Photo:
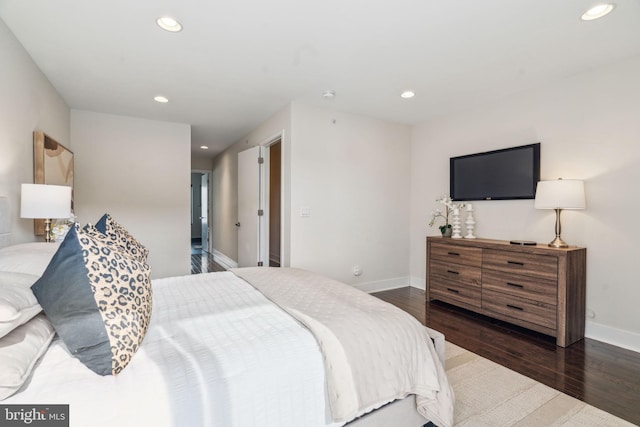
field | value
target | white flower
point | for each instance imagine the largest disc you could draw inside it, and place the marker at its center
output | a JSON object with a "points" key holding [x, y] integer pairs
{"points": [[448, 206]]}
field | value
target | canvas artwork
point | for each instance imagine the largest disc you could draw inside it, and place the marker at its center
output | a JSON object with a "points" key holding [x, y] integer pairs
{"points": [[53, 165]]}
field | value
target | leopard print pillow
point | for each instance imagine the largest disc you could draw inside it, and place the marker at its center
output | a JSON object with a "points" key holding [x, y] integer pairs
{"points": [[98, 299], [120, 236]]}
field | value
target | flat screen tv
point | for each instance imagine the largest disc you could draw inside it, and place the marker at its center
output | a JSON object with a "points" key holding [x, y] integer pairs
{"points": [[507, 174]]}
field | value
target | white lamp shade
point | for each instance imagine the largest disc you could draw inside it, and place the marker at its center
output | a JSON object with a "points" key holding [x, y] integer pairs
{"points": [[45, 201], [560, 194]]}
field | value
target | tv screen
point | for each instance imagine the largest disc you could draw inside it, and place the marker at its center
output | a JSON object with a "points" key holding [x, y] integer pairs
{"points": [[507, 174]]}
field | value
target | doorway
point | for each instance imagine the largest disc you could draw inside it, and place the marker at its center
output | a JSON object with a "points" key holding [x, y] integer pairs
{"points": [[199, 212], [260, 205], [275, 203]]}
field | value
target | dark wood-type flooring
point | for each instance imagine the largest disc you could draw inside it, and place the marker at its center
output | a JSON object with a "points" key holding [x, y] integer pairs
{"points": [[202, 262], [599, 374]]}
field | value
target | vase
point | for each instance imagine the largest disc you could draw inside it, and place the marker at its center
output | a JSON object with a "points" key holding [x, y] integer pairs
{"points": [[446, 231]]}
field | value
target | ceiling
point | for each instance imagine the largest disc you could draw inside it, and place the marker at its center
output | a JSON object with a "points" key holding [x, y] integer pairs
{"points": [[237, 62]]}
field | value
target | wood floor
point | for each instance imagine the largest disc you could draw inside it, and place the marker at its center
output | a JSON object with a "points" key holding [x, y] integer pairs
{"points": [[202, 262], [599, 374]]}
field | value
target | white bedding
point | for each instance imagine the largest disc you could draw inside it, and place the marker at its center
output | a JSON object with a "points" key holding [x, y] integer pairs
{"points": [[373, 352], [217, 353]]}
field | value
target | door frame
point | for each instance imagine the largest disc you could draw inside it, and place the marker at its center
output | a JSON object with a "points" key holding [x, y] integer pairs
{"points": [[209, 205], [264, 193]]}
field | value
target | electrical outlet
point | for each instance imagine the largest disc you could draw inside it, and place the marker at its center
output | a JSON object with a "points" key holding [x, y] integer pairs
{"points": [[357, 270]]}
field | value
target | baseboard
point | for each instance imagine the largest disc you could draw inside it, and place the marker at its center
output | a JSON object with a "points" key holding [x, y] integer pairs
{"points": [[418, 283], [224, 260], [383, 285], [614, 336]]}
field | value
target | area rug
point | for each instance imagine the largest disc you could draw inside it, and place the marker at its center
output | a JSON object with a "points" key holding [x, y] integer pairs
{"points": [[488, 394]]}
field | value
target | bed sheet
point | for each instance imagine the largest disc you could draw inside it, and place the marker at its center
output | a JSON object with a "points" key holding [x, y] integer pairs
{"points": [[217, 353]]}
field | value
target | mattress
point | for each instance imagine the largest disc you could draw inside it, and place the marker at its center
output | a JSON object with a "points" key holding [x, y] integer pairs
{"points": [[217, 353]]}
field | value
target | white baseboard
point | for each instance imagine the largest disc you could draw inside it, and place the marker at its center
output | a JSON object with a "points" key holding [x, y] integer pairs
{"points": [[383, 285], [418, 283], [614, 336], [224, 260]]}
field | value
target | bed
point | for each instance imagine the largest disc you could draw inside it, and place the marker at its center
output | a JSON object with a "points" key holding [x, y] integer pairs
{"points": [[259, 346]]}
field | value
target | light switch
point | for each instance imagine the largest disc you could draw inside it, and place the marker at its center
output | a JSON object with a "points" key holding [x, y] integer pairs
{"points": [[305, 212]]}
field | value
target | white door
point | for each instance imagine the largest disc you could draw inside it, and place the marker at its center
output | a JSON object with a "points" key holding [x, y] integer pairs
{"points": [[252, 212], [204, 214]]}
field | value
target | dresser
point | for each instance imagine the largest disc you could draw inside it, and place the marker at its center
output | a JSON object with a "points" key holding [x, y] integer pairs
{"points": [[536, 287]]}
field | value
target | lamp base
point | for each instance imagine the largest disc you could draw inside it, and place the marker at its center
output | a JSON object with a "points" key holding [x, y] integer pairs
{"points": [[558, 243], [47, 230]]}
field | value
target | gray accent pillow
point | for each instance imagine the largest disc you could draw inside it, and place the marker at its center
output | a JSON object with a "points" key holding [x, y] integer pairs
{"points": [[98, 300]]}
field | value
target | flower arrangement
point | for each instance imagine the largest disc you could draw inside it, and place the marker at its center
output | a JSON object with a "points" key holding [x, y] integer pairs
{"points": [[59, 228], [449, 206]]}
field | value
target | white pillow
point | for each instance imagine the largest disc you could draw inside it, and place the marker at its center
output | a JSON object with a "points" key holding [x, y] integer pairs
{"points": [[20, 351], [28, 258], [18, 304]]}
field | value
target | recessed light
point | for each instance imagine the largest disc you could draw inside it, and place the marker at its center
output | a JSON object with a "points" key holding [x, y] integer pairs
{"points": [[161, 99], [408, 94], [204, 147], [169, 24], [598, 11], [329, 94]]}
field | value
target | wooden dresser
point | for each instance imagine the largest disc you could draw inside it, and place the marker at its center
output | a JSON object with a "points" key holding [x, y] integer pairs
{"points": [[537, 287]]}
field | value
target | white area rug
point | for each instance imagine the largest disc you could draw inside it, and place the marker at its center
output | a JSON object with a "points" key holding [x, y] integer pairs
{"points": [[488, 394]]}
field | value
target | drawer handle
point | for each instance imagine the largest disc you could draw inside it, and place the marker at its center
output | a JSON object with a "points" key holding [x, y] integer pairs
{"points": [[453, 253], [515, 263], [455, 291], [515, 285], [515, 307], [452, 272]]}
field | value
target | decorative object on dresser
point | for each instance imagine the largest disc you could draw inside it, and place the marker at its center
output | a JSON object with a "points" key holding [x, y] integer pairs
{"points": [[449, 208], [45, 202], [537, 287], [560, 194], [470, 222], [455, 221]]}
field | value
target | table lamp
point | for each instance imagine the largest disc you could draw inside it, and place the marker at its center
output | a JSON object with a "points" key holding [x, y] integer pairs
{"points": [[560, 194], [45, 202]]}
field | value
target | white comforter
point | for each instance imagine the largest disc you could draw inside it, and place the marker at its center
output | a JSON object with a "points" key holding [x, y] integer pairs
{"points": [[217, 353], [383, 353]]}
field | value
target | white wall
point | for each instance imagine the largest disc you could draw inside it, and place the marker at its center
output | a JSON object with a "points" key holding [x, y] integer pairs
{"points": [[201, 163], [353, 173], [224, 182], [589, 127], [139, 171], [28, 102], [354, 176]]}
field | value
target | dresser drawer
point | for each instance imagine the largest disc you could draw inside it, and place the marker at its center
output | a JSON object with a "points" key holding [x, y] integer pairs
{"points": [[458, 254], [543, 266], [455, 293], [456, 272], [519, 308], [542, 290]]}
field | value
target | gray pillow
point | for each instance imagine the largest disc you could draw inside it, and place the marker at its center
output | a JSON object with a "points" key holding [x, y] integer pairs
{"points": [[98, 300]]}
